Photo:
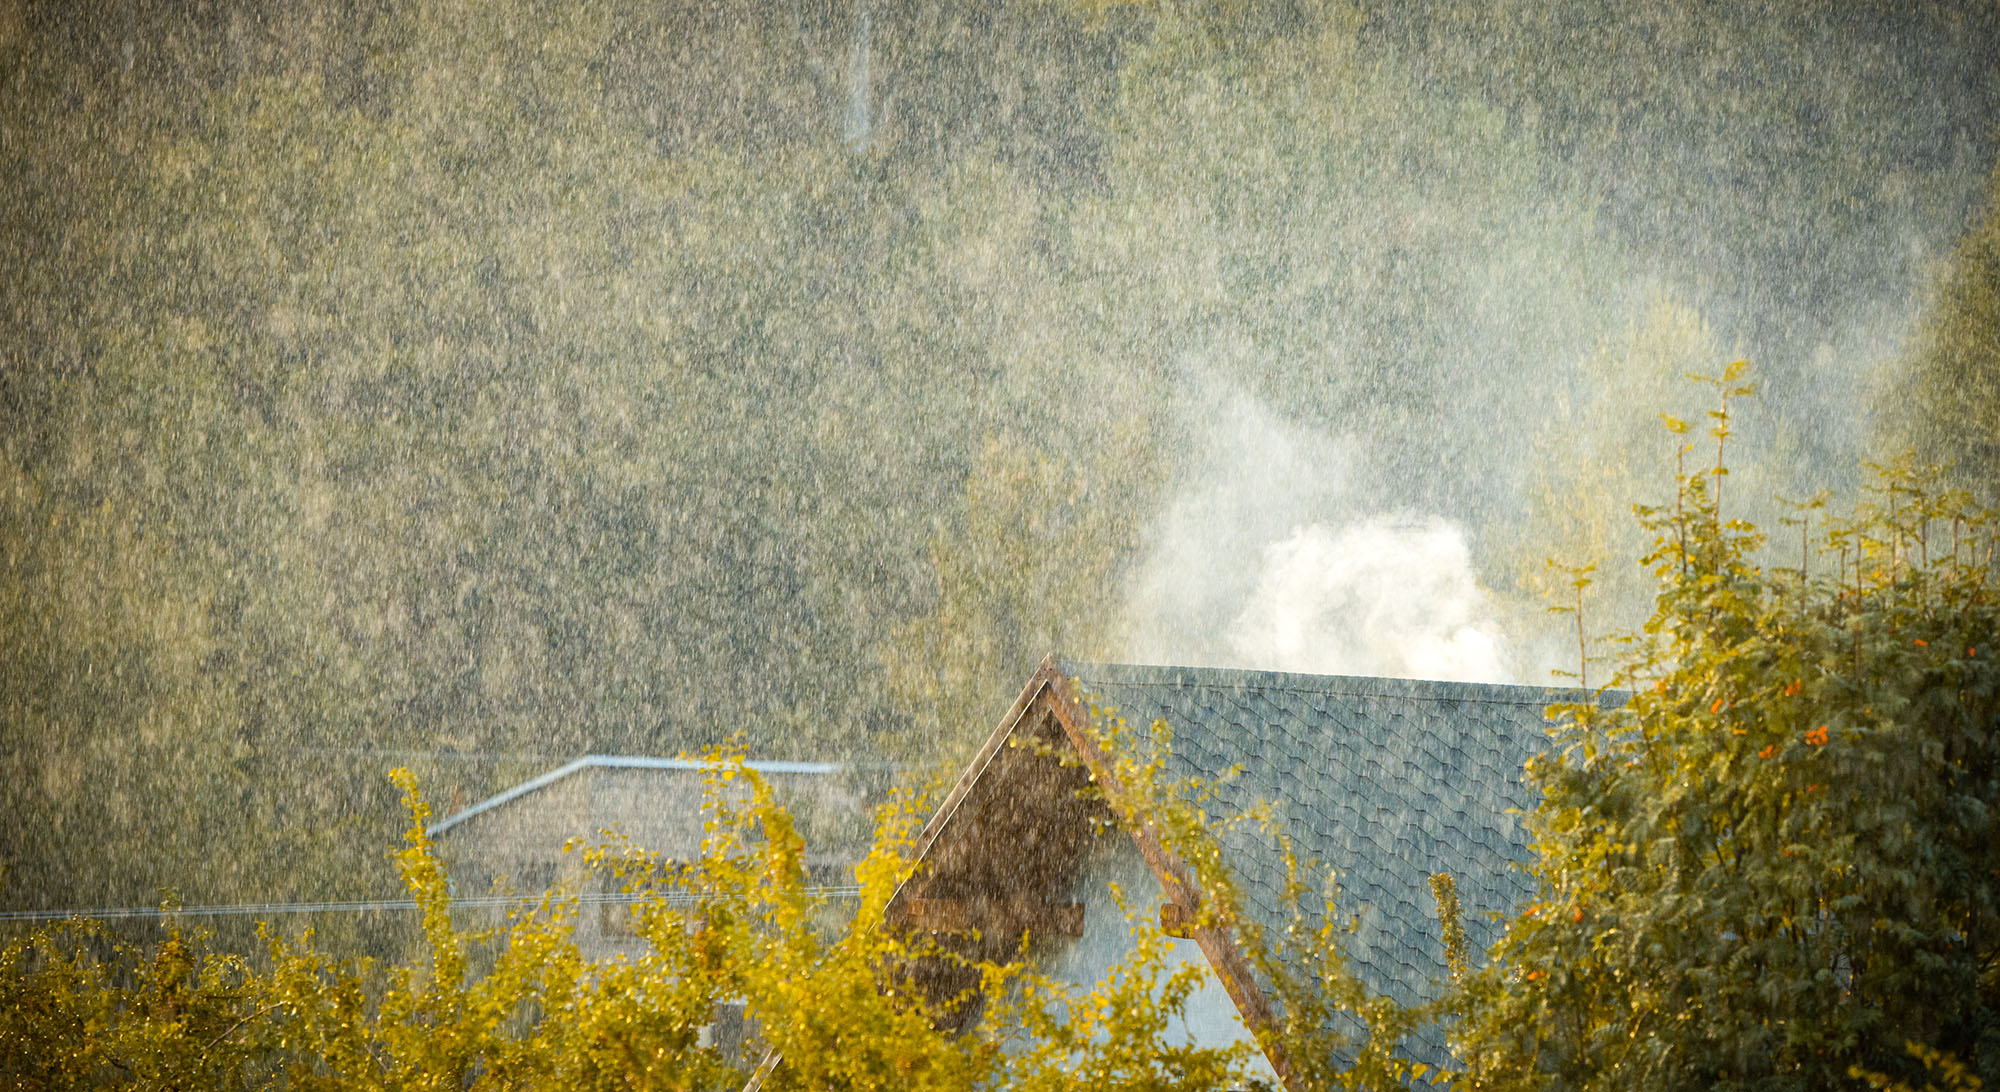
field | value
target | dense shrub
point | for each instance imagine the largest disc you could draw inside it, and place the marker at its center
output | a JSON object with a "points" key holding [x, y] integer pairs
{"points": [[1777, 865], [519, 1007]]}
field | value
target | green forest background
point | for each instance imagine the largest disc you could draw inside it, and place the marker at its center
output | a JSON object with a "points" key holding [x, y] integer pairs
{"points": [[467, 386]]}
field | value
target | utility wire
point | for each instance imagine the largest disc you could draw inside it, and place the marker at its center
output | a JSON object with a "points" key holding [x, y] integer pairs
{"points": [[394, 755], [477, 902]]}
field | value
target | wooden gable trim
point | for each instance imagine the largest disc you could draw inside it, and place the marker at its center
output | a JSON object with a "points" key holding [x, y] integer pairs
{"points": [[1177, 882]]}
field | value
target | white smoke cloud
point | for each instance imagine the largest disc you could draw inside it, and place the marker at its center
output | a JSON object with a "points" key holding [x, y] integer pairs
{"points": [[1383, 597], [1246, 478], [1264, 559]]}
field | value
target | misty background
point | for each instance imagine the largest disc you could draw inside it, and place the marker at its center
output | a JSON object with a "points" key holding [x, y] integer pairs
{"points": [[473, 385]]}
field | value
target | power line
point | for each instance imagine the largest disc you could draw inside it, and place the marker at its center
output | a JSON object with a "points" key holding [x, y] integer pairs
{"points": [[477, 902], [404, 755]]}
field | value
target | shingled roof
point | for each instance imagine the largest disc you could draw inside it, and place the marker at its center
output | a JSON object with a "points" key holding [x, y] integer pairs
{"points": [[1385, 780]]}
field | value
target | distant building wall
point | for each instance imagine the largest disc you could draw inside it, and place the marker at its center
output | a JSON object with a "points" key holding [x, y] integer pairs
{"points": [[516, 847]]}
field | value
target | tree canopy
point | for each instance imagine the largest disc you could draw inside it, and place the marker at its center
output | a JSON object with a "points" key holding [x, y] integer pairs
{"points": [[1950, 407]]}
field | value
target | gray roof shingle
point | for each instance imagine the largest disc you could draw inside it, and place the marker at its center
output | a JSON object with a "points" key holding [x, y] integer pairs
{"points": [[1386, 781]]}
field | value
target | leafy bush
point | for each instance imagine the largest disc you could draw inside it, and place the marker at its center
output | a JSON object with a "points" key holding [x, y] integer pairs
{"points": [[519, 1007], [1778, 862]]}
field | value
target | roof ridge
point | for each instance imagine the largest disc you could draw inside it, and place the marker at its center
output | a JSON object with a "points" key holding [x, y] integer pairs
{"points": [[1175, 676]]}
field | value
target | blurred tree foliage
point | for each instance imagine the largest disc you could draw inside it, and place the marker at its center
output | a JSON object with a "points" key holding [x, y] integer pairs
{"points": [[496, 381], [411, 398], [1025, 567], [1776, 864], [1585, 453], [1739, 144], [1286, 214], [1601, 451], [1948, 401]]}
